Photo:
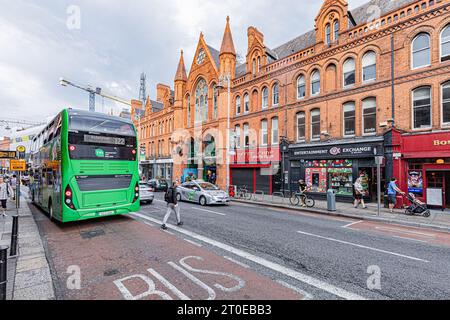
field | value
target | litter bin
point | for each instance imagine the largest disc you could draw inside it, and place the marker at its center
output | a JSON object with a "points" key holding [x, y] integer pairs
{"points": [[331, 200]]}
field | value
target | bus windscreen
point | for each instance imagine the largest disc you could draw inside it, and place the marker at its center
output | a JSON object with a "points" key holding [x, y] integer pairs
{"points": [[100, 125], [96, 138]]}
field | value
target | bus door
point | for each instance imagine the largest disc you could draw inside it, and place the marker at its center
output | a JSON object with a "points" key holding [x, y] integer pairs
{"points": [[39, 187]]}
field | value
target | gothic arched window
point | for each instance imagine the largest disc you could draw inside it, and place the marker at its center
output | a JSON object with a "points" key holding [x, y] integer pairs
{"points": [[201, 102]]}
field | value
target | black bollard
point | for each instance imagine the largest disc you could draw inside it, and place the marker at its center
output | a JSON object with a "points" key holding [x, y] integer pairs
{"points": [[3, 271], [14, 236]]}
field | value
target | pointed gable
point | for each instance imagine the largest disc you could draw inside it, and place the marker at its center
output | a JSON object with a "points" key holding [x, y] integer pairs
{"points": [[181, 70], [227, 42], [205, 54]]}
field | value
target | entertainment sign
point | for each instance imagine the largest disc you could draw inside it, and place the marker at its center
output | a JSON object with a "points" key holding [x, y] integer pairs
{"points": [[338, 151]]}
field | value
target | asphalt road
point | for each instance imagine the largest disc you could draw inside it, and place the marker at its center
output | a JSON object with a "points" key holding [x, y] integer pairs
{"points": [[323, 257]]}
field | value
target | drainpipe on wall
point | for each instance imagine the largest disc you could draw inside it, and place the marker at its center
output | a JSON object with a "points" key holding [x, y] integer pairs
{"points": [[393, 79]]}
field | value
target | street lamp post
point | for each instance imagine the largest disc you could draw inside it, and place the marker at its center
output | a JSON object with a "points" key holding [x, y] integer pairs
{"points": [[226, 78]]}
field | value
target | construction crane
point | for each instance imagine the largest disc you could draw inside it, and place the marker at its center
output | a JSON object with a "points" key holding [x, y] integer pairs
{"points": [[92, 92]]}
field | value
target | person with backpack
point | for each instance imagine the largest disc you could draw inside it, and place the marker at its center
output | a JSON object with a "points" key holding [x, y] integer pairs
{"points": [[172, 205], [5, 193]]}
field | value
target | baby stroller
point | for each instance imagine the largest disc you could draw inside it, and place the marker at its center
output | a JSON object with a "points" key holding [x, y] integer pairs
{"points": [[417, 207]]}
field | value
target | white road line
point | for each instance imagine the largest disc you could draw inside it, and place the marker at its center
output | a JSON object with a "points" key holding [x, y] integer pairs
{"points": [[352, 224], [193, 242], [306, 295], [237, 262], [430, 235], [266, 263], [168, 285], [149, 224], [161, 201], [171, 233], [218, 213], [404, 238], [363, 247]]}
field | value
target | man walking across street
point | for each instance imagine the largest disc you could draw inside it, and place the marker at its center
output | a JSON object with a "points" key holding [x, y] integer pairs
{"points": [[172, 205], [5, 192]]}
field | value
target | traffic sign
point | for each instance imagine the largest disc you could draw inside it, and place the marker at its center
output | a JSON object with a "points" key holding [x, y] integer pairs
{"points": [[18, 165], [8, 154], [21, 149]]}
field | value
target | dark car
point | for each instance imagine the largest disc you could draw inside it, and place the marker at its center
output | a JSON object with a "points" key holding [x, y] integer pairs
{"points": [[159, 184]]}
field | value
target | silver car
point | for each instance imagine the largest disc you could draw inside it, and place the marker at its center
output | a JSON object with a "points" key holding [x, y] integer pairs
{"points": [[202, 192], [146, 193]]}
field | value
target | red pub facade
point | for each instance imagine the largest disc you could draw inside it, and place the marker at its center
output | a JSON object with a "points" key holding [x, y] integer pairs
{"points": [[421, 163]]}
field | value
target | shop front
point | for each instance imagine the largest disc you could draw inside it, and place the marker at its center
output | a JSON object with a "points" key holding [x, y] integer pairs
{"points": [[422, 166], [336, 166], [156, 169], [258, 169]]}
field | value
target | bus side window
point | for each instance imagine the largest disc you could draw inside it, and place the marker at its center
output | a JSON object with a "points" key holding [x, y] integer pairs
{"points": [[58, 123], [50, 177]]}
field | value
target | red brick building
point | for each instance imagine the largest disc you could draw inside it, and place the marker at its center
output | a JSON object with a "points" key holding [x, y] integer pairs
{"points": [[5, 145], [331, 96]]}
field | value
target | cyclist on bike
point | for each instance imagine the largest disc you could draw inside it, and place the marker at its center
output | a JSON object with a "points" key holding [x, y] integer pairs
{"points": [[302, 188]]}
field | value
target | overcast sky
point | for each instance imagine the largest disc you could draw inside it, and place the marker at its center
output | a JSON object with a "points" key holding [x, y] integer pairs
{"points": [[117, 40]]}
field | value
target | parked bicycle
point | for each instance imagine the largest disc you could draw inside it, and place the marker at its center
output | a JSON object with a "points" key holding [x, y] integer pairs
{"points": [[243, 193], [297, 198]]}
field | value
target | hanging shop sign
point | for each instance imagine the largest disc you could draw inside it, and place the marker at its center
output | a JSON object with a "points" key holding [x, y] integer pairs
{"points": [[8, 154], [339, 151]]}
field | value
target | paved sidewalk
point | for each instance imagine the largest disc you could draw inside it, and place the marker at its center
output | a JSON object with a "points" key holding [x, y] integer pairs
{"points": [[29, 275], [438, 220]]}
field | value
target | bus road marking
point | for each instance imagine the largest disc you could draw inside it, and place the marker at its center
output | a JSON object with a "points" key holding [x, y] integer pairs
{"points": [[211, 292], [363, 247], [342, 293], [168, 285]]}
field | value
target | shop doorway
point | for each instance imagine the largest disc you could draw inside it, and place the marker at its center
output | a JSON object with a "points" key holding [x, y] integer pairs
{"points": [[440, 180], [447, 189], [370, 182]]}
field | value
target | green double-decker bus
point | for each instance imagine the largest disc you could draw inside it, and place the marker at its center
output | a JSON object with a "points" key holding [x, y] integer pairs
{"points": [[85, 166]]}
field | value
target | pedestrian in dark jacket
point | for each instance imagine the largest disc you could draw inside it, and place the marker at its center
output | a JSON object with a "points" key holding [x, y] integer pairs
{"points": [[172, 205]]}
